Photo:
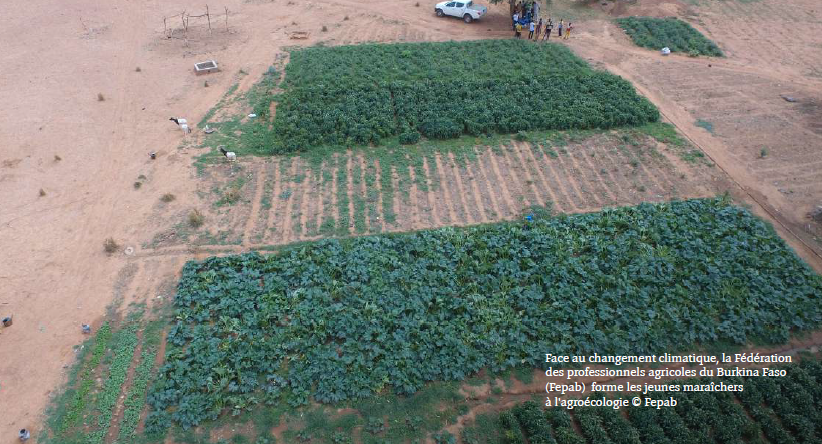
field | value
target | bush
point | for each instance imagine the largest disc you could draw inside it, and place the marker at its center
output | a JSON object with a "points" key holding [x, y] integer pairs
{"points": [[409, 137], [522, 136], [168, 197], [195, 218], [110, 245]]}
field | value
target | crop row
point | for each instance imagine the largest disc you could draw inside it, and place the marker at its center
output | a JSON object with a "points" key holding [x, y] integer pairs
{"points": [[347, 318], [441, 109], [451, 61], [783, 410], [678, 36], [124, 342], [136, 396]]}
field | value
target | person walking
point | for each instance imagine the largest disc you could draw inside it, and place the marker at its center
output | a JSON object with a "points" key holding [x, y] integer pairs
{"points": [[518, 34], [539, 29], [560, 28], [549, 28], [531, 27], [514, 21], [568, 30]]}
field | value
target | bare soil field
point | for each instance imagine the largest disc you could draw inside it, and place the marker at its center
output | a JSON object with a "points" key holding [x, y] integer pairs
{"points": [[81, 119], [286, 199]]}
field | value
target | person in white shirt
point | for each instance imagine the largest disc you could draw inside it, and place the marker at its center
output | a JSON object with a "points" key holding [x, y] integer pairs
{"points": [[514, 21], [531, 30]]}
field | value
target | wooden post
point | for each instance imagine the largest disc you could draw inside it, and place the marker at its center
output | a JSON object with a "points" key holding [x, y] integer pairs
{"points": [[208, 17]]}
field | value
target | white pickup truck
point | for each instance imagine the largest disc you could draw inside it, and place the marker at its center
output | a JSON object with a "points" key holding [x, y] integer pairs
{"points": [[462, 8]]}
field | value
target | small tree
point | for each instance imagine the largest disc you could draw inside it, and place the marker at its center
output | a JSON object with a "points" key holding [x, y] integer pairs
{"points": [[512, 4]]}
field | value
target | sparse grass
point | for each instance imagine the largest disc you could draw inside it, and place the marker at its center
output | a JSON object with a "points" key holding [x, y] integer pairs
{"points": [[42, 192], [101, 97], [662, 132], [168, 197], [286, 194], [704, 124], [195, 218], [110, 245], [692, 155], [230, 196]]}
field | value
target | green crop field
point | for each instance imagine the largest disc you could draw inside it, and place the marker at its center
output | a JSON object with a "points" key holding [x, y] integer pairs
{"points": [[678, 36], [785, 410], [360, 95], [347, 319]]}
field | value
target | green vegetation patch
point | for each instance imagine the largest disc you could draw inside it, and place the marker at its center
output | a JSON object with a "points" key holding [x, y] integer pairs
{"points": [[785, 409], [346, 319], [678, 36], [361, 95]]}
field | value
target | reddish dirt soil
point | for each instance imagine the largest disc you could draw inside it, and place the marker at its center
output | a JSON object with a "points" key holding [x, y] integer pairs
{"points": [[86, 154]]}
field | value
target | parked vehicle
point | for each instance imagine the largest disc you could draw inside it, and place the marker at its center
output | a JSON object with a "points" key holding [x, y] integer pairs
{"points": [[467, 10]]}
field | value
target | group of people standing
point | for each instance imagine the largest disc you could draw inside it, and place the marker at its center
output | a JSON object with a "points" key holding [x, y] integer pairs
{"points": [[535, 29]]}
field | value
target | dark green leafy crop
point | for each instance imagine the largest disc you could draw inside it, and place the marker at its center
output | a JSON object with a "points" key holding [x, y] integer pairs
{"points": [[347, 318], [678, 36], [360, 95]]}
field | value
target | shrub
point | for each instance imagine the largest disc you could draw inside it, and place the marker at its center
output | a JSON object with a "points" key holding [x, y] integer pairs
{"points": [[100, 97], [325, 28], [168, 197], [110, 245], [522, 136], [137, 185], [195, 218], [42, 192]]}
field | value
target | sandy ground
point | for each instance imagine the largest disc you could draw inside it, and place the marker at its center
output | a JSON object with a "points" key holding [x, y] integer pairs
{"points": [[58, 56]]}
